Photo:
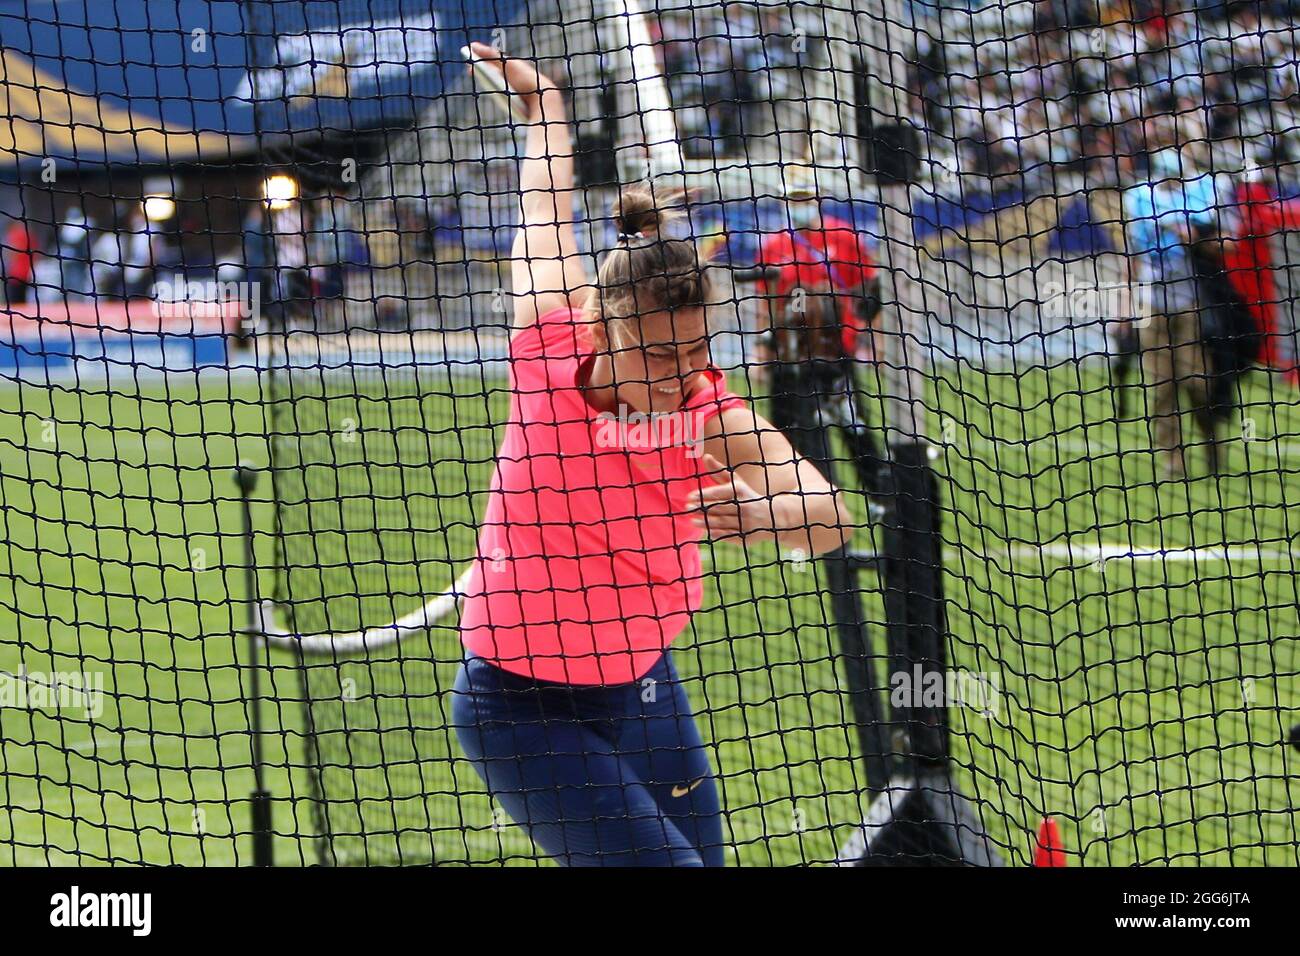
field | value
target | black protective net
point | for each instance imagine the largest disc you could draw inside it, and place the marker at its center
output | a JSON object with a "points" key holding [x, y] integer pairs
{"points": [[1015, 278]]}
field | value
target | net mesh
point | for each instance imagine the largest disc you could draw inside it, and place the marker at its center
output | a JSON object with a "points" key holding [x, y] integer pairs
{"points": [[1066, 426]]}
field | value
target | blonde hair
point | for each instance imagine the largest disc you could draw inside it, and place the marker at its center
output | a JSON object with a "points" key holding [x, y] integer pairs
{"points": [[648, 272]]}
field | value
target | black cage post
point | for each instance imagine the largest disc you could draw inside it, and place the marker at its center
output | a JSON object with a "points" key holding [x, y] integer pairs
{"points": [[921, 818], [259, 43], [812, 439], [260, 799]]}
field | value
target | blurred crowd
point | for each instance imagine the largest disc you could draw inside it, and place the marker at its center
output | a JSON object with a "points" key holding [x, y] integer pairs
{"points": [[80, 260], [1072, 94], [723, 65], [1096, 88], [300, 252]]}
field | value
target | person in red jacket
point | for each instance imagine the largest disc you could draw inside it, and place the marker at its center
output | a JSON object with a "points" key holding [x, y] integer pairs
{"points": [[1248, 259], [817, 301], [816, 250], [17, 257]]}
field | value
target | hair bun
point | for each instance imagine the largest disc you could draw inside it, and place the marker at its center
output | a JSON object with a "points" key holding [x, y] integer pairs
{"points": [[641, 213], [648, 271]]}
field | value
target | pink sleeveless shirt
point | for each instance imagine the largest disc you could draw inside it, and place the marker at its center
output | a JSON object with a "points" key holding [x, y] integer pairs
{"points": [[588, 564]]}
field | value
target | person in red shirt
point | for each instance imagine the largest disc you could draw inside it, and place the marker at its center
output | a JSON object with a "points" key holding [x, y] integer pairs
{"points": [[17, 259], [818, 249], [1248, 260], [818, 297]]}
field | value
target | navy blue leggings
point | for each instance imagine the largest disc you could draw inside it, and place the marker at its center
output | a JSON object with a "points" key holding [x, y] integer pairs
{"points": [[611, 775]]}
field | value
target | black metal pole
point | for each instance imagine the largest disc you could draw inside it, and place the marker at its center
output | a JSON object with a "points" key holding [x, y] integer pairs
{"points": [[917, 626], [798, 396], [260, 799], [859, 673]]}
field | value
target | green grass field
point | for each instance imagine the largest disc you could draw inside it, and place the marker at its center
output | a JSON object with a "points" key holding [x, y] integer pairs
{"points": [[1141, 633]]}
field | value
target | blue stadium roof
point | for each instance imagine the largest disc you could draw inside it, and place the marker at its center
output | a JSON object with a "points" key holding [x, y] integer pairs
{"points": [[136, 81]]}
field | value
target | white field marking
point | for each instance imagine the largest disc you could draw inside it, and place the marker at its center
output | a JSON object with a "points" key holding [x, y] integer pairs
{"points": [[1093, 556], [1076, 555], [1085, 555], [1082, 554], [1088, 446]]}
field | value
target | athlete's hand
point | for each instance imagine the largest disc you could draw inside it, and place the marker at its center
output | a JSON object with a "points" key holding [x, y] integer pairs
{"points": [[523, 78], [731, 508]]}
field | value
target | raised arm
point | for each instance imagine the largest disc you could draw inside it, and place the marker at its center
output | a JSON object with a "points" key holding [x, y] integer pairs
{"points": [[546, 268]]}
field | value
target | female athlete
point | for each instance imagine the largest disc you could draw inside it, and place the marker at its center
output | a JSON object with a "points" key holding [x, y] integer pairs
{"points": [[623, 448]]}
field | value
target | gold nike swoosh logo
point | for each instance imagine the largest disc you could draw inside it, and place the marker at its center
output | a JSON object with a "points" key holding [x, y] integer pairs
{"points": [[680, 791]]}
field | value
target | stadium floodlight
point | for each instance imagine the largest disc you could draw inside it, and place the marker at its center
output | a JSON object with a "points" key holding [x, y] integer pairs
{"points": [[158, 202], [158, 208], [279, 190]]}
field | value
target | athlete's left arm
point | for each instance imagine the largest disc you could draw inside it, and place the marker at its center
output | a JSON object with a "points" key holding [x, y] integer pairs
{"points": [[765, 490]]}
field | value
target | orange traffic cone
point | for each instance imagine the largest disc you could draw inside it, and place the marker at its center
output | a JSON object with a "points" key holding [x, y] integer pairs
{"points": [[1049, 851]]}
